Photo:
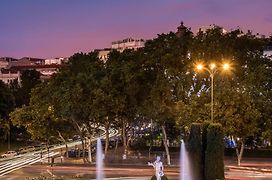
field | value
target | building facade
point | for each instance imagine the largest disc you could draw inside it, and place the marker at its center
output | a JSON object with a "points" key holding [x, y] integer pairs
{"points": [[11, 69], [10, 76], [268, 52], [121, 45], [60, 60], [128, 43], [103, 54]]}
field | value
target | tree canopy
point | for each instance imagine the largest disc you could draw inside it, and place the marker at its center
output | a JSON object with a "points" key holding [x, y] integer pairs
{"points": [[158, 83]]}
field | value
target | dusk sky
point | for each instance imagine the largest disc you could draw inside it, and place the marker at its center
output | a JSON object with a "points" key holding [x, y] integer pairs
{"points": [[56, 28]]}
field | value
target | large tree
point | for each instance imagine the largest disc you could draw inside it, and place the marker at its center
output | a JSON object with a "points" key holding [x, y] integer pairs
{"points": [[167, 62], [241, 95]]}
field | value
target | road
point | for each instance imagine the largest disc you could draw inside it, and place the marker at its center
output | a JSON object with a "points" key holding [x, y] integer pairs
{"points": [[8, 165]]}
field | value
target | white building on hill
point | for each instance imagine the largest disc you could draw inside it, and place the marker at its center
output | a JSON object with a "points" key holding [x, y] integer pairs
{"points": [[128, 43], [268, 52]]}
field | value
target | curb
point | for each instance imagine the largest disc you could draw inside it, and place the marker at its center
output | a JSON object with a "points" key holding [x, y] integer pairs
{"points": [[261, 170]]}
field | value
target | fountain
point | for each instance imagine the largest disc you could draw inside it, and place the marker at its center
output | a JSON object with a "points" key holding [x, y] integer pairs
{"points": [[184, 171], [99, 160]]}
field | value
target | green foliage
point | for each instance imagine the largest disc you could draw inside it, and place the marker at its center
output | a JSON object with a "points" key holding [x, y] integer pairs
{"points": [[242, 96], [214, 155], [205, 126], [6, 106], [29, 79], [167, 64], [157, 83], [6, 100], [195, 150]]}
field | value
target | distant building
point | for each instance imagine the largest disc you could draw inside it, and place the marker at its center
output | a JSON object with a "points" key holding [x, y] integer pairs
{"points": [[128, 43], [103, 54], [121, 45], [60, 60], [45, 70], [181, 29], [11, 69], [9, 76], [268, 52], [26, 61], [205, 28], [5, 61]]}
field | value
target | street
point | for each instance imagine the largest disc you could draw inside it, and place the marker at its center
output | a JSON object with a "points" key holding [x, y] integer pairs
{"points": [[8, 165]]}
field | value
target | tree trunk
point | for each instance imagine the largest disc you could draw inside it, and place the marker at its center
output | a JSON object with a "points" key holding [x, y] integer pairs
{"points": [[8, 137], [66, 148], [90, 150], [66, 145], [124, 136], [116, 144], [166, 145], [83, 150], [107, 137], [78, 129], [240, 153]]}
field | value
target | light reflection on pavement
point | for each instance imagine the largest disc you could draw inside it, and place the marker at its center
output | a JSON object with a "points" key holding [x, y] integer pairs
{"points": [[9, 165]]}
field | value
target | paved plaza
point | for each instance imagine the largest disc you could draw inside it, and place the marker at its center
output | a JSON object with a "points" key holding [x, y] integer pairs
{"points": [[251, 169]]}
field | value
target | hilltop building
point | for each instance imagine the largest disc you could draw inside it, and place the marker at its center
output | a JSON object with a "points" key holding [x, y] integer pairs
{"points": [[181, 29], [11, 69], [268, 52], [128, 43], [205, 28], [120, 45], [5, 61], [103, 54], [60, 60]]}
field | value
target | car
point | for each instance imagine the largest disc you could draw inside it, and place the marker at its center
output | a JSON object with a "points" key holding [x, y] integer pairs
{"points": [[43, 144], [22, 150], [111, 143], [30, 148], [76, 137], [9, 154], [37, 147], [76, 153]]}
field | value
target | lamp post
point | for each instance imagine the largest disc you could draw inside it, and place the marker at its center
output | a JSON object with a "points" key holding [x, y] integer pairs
{"points": [[212, 69]]}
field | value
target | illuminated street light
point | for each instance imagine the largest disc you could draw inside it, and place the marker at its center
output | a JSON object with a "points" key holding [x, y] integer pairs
{"points": [[212, 66], [212, 70], [226, 66], [199, 66]]}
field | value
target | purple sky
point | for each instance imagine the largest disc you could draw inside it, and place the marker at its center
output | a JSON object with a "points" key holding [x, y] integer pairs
{"points": [[54, 28]]}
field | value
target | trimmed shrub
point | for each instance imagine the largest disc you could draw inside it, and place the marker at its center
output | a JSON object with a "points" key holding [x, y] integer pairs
{"points": [[214, 154], [205, 126], [195, 151]]}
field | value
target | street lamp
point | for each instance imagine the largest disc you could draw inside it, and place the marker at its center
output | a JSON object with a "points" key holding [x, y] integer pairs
{"points": [[212, 69]]}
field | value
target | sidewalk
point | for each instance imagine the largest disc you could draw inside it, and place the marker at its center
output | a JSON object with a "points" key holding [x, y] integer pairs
{"points": [[250, 168]]}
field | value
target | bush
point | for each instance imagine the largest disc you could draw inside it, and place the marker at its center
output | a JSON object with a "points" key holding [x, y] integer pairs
{"points": [[214, 154], [205, 126], [195, 151]]}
